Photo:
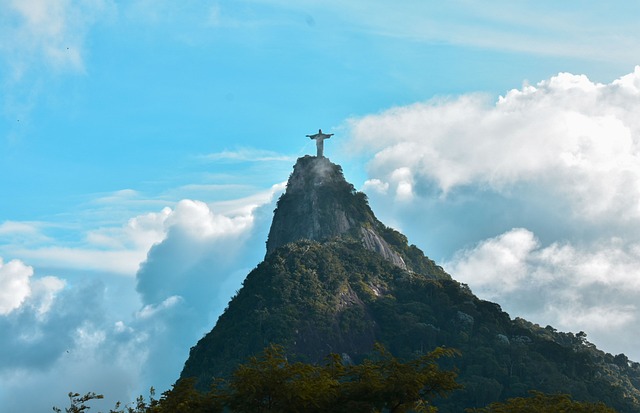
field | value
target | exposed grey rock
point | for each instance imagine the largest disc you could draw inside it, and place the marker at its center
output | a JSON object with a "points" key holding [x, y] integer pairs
{"points": [[346, 359], [521, 339], [374, 242], [502, 339], [347, 298], [319, 204], [465, 319], [313, 206]]}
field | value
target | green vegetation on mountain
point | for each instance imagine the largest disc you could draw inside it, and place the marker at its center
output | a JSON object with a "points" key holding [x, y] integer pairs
{"points": [[338, 297], [269, 382]]}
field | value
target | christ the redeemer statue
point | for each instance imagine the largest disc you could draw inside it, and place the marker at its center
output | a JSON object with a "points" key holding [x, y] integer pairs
{"points": [[320, 137]]}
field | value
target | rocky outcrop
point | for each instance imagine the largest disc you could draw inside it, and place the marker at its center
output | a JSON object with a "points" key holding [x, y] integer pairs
{"points": [[319, 204], [374, 242]]}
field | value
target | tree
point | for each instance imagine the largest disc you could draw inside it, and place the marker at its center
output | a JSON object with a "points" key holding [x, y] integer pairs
{"points": [[78, 403], [394, 386], [269, 383], [543, 403], [184, 398]]}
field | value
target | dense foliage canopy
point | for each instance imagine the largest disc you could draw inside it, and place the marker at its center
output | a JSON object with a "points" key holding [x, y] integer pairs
{"points": [[543, 403], [337, 297]]}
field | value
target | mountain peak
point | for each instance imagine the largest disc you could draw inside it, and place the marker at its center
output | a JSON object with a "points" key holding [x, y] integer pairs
{"points": [[313, 171], [320, 205]]}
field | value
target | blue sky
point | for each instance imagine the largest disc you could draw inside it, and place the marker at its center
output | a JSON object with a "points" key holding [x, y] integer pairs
{"points": [[143, 145]]}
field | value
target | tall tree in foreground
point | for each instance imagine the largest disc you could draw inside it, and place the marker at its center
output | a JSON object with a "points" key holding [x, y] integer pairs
{"points": [[269, 383], [78, 403]]}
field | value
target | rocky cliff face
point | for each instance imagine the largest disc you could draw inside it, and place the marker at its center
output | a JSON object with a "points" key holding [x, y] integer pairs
{"points": [[319, 204]]}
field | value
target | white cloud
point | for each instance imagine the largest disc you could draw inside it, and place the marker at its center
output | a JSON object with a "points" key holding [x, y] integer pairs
{"points": [[13, 227], [198, 220], [579, 140], [498, 263], [375, 185], [194, 256], [151, 310], [118, 249], [121, 249], [14, 285], [23, 233], [196, 238], [43, 293], [187, 279], [139, 233], [248, 155], [59, 336], [593, 288], [122, 261], [88, 348], [58, 332], [18, 288]]}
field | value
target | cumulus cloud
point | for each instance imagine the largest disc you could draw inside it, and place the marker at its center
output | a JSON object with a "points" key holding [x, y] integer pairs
{"points": [[560, 156], [135, 331], [195, 235], [14, 285], [17, 288], [63, 351], [567, 133], [517, 260], [188, 278], [594, 288], [139, 233], [36, 320]]}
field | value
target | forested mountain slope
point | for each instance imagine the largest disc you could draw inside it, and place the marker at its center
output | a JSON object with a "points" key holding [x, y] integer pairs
{"points": [[336, 280]]}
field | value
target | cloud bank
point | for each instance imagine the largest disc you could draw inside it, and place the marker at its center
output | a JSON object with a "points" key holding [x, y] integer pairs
{"points": [[136, 332], [540, 187], [567, 132], [594, 288]]}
